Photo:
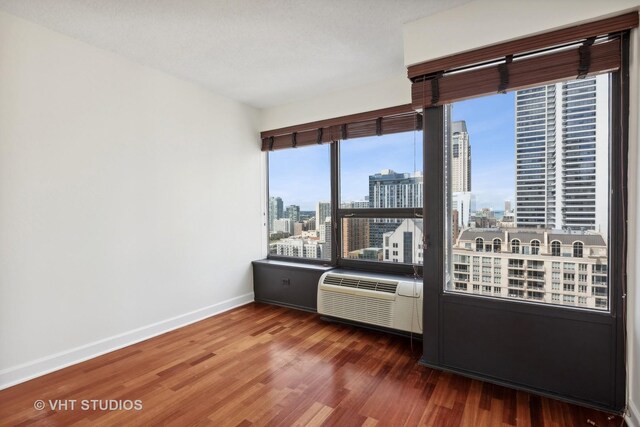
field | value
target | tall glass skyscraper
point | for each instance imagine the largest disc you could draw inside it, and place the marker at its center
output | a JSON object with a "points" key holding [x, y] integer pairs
{"points": [[562, 155], [389, 189]]}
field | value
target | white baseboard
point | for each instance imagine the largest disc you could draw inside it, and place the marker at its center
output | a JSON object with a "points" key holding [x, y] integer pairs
{"points": [[632, 417], [26, 371]]}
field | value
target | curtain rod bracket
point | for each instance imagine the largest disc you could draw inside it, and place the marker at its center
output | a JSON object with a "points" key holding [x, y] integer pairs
{"points": [[435, 89], [585, 57], [503, 69]]}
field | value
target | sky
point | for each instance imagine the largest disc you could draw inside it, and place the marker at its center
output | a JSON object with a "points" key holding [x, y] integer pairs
{"points": [[490, 122]]}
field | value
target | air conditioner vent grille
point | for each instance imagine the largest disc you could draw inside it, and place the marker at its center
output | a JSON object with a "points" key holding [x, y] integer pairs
{"points": [[359, 308], [361, 283]]}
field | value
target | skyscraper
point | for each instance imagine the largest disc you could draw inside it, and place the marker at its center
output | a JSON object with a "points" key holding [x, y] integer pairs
{"points": [[355, 231], [389, 189], [562, 151], [293, 213], [460, 157], [323, 210], [275, 210]]}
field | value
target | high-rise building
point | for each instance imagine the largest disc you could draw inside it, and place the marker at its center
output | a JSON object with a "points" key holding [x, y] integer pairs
{"points": [[389, 189], [325, 238], [562, 150], [465, 203], [283, 225], [507, 206], [460, 157], [323, 210], [355, 231], [275, 210], [293, 213]]}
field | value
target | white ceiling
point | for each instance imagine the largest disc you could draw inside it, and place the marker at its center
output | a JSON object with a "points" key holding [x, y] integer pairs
{"points": [[261, 52]]}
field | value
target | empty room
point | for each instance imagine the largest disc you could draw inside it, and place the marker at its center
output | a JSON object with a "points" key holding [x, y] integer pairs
{"points": [[305, 213]]}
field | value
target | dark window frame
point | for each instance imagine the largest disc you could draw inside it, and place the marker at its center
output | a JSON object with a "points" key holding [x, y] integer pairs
{"points": [[338, 214]]}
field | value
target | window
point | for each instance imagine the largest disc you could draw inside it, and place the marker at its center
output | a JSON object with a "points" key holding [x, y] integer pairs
{"points": [[515, 246], [535, 247], [299, 215], [577, 249], [381, 191], [542, 162]]}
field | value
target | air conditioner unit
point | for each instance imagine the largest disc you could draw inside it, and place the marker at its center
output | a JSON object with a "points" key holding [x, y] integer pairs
{"points": [[390, 301]]}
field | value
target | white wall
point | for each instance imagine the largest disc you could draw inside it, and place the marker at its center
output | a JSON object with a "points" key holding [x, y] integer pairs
{"points": [[129, 201], [390, 92], [485, 22], [495, 21]]}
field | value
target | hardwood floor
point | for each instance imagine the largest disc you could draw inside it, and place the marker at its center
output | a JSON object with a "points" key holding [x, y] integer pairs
{"points": [[266, 365]]}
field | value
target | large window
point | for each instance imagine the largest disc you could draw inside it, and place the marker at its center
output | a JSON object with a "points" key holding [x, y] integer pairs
{"points": [[534, 167], [348, 191], [299, 204], [381, 192]]}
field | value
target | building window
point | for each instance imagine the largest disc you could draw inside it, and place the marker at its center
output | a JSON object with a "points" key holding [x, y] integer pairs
{"points": [[497, 244], [479, 244], [555, 248], [555, 265], [577, 249], [535, 247], [515, 246]]}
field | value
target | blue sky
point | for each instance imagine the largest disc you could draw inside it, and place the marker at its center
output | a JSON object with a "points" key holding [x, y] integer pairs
{"points": [[490, 122], [491, 125]]}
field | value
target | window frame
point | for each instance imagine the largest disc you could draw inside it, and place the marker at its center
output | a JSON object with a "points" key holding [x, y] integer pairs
{"points": [[338, 214]]}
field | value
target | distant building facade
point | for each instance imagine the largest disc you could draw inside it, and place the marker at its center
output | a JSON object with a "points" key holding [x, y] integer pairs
{"points": [[460, 157], [550, 266], [562, 152], [404, 243], [389, 189]]}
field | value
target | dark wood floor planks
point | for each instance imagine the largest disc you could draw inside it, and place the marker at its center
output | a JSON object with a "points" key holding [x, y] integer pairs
{"points": [[270, 366]]}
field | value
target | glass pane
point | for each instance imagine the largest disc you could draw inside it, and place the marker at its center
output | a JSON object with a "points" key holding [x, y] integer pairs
{"points": [[400, 239], [299, 202], [382, 171], [528, 194]]}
